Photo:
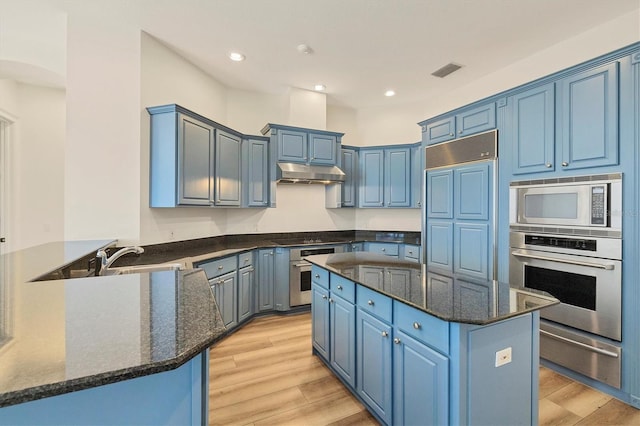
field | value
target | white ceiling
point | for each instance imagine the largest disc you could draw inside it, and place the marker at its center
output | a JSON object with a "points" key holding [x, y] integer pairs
{"points": [[361, 47]]}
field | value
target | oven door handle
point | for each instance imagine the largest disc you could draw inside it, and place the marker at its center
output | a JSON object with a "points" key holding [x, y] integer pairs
{"points": [[301, 265], [607, 266], [582, 345]]}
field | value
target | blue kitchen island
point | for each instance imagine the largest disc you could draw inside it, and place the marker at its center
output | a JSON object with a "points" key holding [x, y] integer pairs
{"points": [[424, 346], [124, 349]]}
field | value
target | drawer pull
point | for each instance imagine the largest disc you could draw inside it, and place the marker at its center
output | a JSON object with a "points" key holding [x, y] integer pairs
{"points": [[339, 287], [417, 325], [385, 334], [396, 341], [384, 249], [370, 302], [220, 267], [330, 300], [324, 296], [317, 275]]}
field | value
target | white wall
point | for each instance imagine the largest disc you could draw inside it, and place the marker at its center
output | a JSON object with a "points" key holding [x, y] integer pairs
{"points": [[35, 194]]}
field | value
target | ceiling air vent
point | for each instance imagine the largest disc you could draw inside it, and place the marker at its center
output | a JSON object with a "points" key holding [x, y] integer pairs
{"points": [[446, 70]]}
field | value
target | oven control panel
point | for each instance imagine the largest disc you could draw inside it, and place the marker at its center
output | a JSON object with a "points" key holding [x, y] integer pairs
{"points": [[567, 243], [598, 205]]}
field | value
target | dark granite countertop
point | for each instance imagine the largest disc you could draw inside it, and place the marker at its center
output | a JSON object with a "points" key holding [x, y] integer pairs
{"points": [[451, 297], [66, 335]]}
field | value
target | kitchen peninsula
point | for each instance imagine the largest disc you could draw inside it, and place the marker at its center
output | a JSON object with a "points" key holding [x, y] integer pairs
{"points": [[421, 346]]}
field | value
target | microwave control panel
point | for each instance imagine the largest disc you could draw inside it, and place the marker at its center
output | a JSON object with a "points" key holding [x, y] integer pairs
{"points": [[598, 205]]}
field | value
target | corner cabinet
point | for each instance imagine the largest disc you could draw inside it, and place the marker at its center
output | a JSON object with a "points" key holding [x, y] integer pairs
{"points": [[195, 161]]}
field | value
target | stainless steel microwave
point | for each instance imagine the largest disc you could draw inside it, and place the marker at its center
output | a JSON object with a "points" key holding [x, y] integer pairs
{"points": [[582, 202]]}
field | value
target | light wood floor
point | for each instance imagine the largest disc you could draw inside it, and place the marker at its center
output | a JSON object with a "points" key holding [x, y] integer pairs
{"points": [[264, 374]]}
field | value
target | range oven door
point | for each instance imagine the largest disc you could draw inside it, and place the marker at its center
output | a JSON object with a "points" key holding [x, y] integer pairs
{"points": [[589, 289], [300, 283]]}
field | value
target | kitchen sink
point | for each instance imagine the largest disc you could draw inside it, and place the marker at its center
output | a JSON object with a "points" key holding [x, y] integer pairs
{"points": [[141, 269]]}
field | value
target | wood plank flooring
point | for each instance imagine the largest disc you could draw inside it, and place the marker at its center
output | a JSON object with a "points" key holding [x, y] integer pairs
{"points": [[264, 374]]}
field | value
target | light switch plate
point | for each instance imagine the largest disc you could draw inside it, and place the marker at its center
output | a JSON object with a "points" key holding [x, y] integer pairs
{"points": [[503, 357]]}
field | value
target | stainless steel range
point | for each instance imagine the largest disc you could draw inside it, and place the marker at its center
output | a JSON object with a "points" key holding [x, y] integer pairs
{"points": [[566, 240], [300, 272]]}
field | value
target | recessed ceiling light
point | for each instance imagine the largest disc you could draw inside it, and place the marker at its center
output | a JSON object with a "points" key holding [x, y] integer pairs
{"points": [[304, 48], [319, 87], [389, 93], [236, 56]]}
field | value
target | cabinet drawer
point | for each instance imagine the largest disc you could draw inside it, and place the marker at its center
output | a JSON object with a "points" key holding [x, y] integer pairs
{"points": [[320, 276], [374, 303], [422, 326], [390, 249], [411, 253], [218, 267], [342, 287], [245, 259]]}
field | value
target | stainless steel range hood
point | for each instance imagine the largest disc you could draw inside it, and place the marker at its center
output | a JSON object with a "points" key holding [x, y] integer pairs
{"points": [[303, 173]]}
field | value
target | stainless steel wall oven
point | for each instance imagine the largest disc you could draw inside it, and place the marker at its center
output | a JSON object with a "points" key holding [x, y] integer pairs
{"points": [[566, 240], [300, 272]]}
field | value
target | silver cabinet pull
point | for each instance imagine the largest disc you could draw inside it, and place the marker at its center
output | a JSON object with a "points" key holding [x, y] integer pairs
{"points": [[384, 249], [460, 132], [607, 266], [565, 164], [317, 275], [410, 251], [450, 134], [385, 334], [417, 325], [220, 268], [324, 296], [396, 341], [548, 165], [339, 287], [330, 300], [370, 302], [246, 260]]}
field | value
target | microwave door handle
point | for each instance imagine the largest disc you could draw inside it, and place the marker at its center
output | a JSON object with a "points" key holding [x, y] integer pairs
{"points": [[607, 266]]}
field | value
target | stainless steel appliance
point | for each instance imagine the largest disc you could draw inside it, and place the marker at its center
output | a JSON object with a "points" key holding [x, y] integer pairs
{"points": [[300, 272], [569, 205], [565, 239]]}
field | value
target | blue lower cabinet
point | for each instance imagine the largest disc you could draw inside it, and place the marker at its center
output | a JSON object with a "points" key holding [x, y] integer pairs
{"points": [[320, 320], [373, 349], [245, 293], [419, 399], [225, 289], [343, 338]]}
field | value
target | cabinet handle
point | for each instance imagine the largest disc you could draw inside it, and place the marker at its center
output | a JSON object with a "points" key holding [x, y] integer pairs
{"points": [[381, 203], [370, 302], [410, 251], [246, 260], [417, 325], [460, 132], [548, 165], [220, 268], [450, 134], [317, 275], [384, 249], [313, 158], [419, 203], [385, 334], [324, 296], [339, 287], [396, 341], [565, 164], [220, 281], [330, 300], [270, 253]]}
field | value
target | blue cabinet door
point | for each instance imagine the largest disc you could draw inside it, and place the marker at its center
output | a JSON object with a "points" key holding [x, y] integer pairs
{"points": [[371, 177], [471, 249], [472, 192], [322, 149], [256, 173], [228, 175], [397, 174], [440, 131], [266, 271], [195, 162], [349, 167], [440, 245], [440, 194], [532, 129], [372, 276], [419, 399], [225, 290], [245, 293], [292, 146], [343, 338], [417, 172], [320, 320], [373, 364], [476, 120], [587, 131]]}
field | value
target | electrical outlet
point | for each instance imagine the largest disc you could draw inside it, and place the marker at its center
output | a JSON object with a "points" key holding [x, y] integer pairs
{"points": [[503, 357]]}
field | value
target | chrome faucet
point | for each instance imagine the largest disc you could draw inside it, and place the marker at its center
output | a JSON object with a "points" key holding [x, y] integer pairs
{"points": [[106, 261]]}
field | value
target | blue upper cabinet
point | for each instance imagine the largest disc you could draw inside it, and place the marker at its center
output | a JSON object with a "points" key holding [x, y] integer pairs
{"points": [[350, 168], [417, 171], [397, 177], [465, 123], [228, 176], [472, 187], [322, 149], [195, 168], [255, 167], [532, 127], [588, 118], [440, 194], [371, 178], [292, 146], [306, 146]]}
